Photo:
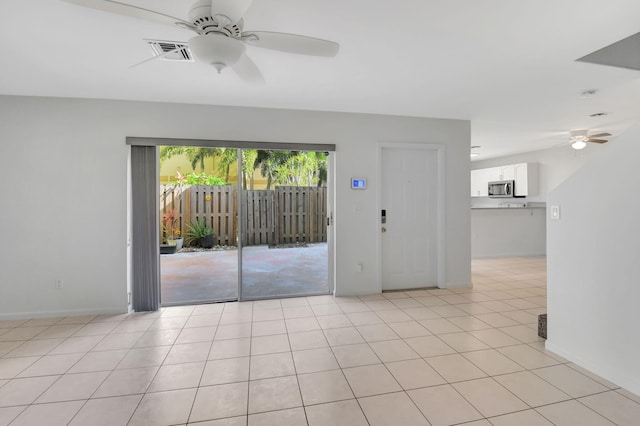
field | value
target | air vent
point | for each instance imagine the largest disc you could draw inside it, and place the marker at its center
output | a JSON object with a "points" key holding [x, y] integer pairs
{"points": [[163, 47]]}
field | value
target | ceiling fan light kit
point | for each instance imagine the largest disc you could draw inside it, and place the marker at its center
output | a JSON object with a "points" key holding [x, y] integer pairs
{"points": [[220, 40], [578, 145], [579, 138], [216, 50]]}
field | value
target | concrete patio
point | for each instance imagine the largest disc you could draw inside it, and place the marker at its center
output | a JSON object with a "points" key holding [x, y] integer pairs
{"points": [[213, 275]]}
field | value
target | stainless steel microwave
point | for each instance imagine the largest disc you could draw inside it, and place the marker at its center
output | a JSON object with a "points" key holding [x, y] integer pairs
{"points": [[502, 189]]}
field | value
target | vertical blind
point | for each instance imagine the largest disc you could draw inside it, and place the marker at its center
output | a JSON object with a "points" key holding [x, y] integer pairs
{"points": [[145, 238]]}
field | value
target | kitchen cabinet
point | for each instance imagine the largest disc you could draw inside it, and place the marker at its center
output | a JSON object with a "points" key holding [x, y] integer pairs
{"points": [[501, 173], [493, 174], [525, 176], [508, 172], [479, 180]]}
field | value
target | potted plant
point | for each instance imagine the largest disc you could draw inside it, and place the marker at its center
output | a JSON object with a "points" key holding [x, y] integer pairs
{"points": [[171, 233], [200, 234], [167, 248]]}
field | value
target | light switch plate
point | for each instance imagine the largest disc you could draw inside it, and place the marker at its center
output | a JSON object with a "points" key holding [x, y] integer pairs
{"points": [[555, 212]]}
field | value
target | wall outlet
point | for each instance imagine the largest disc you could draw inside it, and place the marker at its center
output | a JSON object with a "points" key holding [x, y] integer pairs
{"points": [[59, 284], [555, 212]]}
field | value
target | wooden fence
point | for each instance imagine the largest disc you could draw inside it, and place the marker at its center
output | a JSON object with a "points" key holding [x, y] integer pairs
{"points": [[288, 214]]}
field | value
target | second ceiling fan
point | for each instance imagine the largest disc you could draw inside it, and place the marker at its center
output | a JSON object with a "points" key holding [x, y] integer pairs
{"points": [[579, 138], [221, 38]]}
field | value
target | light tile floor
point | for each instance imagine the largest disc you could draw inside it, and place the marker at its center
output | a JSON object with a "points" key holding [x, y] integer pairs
{"points": [[428, 357]]}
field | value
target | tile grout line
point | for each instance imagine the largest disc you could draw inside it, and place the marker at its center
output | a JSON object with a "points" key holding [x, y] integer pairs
{"points": [[342, 369], [206, 361], [532, 345]]}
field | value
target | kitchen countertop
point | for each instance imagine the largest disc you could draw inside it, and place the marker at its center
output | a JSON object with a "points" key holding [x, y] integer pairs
{"points": [[512, 206]]}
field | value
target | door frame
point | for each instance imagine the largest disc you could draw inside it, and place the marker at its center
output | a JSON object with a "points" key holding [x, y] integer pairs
{"points": [[331, 236], [440, 188]]}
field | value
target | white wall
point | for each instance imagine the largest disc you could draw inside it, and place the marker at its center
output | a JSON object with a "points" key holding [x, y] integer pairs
{"points": [[65, 194], [554, 166], [508, 232], [593, 265]]}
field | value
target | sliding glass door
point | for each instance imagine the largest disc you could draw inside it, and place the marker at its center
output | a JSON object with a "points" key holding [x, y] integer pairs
{"points": [[233, 222], [284, 225]]}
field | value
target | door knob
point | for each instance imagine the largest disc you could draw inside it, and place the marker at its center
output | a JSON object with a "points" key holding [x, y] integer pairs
{"points": [[384, 229]]}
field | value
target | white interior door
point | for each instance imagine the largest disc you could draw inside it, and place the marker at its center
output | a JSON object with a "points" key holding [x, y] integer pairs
{"points": [[410, 235]]}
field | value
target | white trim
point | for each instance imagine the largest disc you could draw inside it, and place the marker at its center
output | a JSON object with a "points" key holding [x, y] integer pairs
{"points": [[241, 220], [440, 152], [608, 372], [331, 233], [441, 214], [64, 313]]}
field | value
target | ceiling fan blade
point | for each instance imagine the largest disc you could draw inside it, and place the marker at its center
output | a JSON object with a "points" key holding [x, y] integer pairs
{"points": [[600, 135], [132, 11], [291, 43], [247, 70], [597, 140], [232, 9], [182, 47]]}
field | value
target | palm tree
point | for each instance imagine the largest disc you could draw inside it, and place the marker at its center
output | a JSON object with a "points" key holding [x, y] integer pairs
{"points": [[321, 164], [228, 156], [302, 169], [248, 165], [269, 161]]}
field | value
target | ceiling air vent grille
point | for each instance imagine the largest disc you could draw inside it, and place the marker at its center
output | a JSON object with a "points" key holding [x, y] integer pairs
{"points": [[162, 47]]}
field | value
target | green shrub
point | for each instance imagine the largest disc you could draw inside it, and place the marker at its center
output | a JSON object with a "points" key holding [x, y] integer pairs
{"points": [[200, 179], [198, 230]]}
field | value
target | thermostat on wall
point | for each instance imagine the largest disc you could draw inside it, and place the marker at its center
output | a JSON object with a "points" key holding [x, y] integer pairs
{"points": [[358, 183]]}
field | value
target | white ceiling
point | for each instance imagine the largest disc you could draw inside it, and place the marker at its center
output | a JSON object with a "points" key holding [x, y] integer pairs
{"points": [[508, 66]]}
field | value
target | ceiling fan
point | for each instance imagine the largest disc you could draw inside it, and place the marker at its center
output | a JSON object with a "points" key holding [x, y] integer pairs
{"points": [[221, 38], [579, 138]]}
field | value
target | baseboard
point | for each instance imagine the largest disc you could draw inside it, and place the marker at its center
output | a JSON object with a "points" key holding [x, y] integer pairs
{"points": [[458, 285], [510, 254], [619, 378], [62, 313], [355, 294]]}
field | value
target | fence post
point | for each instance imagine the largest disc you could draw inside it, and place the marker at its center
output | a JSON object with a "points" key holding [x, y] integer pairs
{"points": [[271, 223], [234, 216]]}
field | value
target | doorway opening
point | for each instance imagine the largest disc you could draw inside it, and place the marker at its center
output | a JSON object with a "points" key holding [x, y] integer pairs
{"points": [[242, 223]]}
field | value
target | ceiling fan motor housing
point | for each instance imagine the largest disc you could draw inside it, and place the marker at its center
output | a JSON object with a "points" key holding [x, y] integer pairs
{"points": [[200, 15], [579, 134], [200, 9]]}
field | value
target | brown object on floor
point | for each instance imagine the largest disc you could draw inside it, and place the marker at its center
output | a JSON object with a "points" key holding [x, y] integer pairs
{"points": [[542, 325]]}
